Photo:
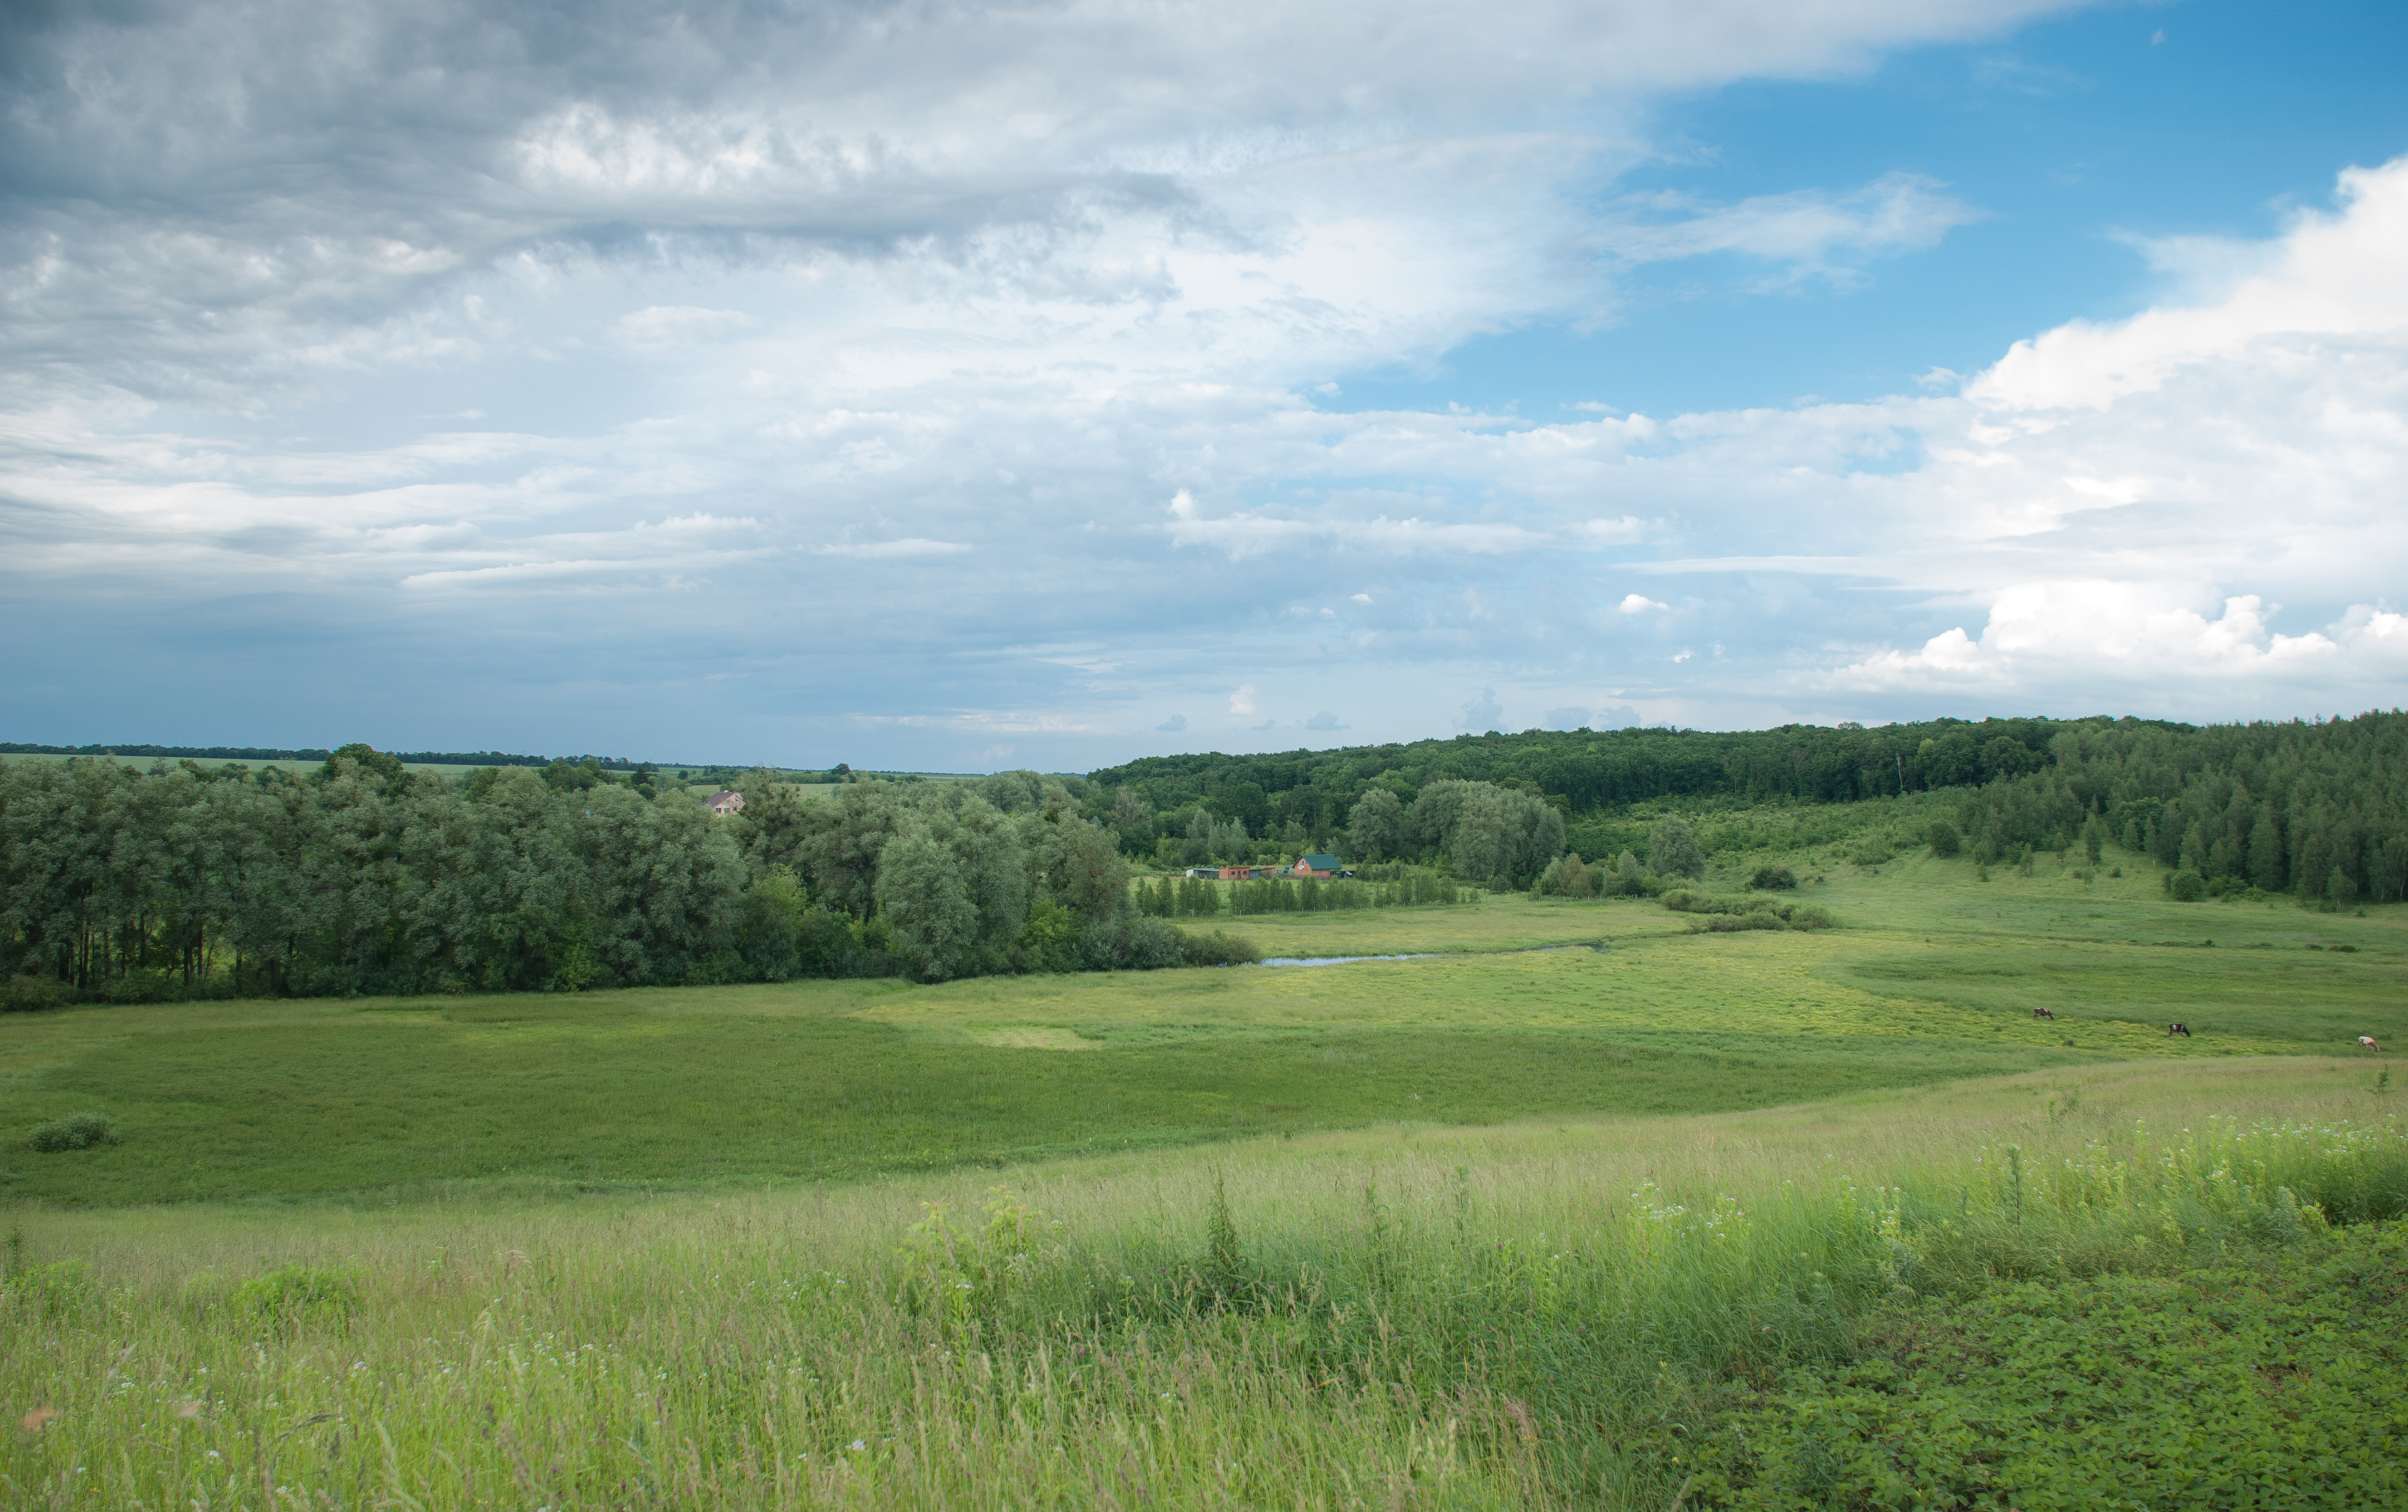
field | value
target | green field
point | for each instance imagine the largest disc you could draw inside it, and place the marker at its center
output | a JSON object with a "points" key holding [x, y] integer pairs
{"points": [[1582, 1208], [1527, 1007]]}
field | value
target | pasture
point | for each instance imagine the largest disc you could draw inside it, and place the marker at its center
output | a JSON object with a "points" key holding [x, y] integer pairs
{"points": [[1579, 1311], [1581, 1209], [1523, 1007]]}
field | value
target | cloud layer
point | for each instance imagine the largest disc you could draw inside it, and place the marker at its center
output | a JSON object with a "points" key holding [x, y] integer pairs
{"points": [[868, 382]]}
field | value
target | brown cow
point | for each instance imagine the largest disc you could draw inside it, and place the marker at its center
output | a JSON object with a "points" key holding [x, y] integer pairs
{"points": [[2043, 1013]]}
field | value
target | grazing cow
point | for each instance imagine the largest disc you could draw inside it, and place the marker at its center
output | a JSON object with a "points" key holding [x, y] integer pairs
{"points": [[2178, 1028], [2366, 1042], [2043, 1013]]}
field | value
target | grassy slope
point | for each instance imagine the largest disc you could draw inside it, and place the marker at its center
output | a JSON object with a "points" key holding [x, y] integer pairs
{"points": [[1933, 978], [745, 1349]]}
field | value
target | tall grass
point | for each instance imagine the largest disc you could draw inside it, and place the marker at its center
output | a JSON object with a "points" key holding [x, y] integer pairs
{"points": [[1473, 1319]]}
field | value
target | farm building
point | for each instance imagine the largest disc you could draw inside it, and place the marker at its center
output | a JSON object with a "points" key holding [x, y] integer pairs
{"points": [[1316, 866], [725, 801]]}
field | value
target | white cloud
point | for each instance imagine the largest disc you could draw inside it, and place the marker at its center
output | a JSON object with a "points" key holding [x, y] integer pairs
{"points": [[659, 326], [2333, 274], [1809, 232], [1245, 535], [1173, 724], [1618, 532], [909, 546], [753, 306], [2124, 632]]}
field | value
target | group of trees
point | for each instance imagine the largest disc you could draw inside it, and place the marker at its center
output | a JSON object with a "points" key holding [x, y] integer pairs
{"points": [[2319, 810], [1296, 797], [365, 878], [1497, 837]]}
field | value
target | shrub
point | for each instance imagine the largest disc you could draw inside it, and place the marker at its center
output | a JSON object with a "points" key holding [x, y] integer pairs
{"points": [[1727, 914], [1672, 850], [77, 1131], [27, 995], [1943, 838], [1216, 948], [1568, 876], [291, 1290], [1128, 942], [2185, 886], [1773, 879]]}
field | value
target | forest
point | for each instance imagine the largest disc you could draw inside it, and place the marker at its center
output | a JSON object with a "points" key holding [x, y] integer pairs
{"points": [[363, 876], [2317, 808]]}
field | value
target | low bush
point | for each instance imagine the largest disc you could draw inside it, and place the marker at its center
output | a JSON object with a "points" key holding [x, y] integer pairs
{"points": [[2185, 886], [292, 1290], [1773, 879], [1727, 924], [1943, 840], [1216, 948], [1128, 942], [28, 994], [1724, 914], [77, 1131]]}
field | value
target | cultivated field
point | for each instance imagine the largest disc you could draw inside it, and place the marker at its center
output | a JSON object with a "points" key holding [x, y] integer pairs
{"points": [[1584, 1209]]}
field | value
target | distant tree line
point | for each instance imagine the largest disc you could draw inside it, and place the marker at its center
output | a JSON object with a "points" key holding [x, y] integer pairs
{"points": [[2319, 810], [263, 753], [2306, 807], [364, 877]]}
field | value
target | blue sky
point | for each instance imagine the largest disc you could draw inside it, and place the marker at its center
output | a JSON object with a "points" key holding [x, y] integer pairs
{"points": [[1063, 383]]}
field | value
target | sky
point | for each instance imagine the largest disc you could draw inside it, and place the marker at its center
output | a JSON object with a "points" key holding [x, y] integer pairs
{"points": [[948, 387]]}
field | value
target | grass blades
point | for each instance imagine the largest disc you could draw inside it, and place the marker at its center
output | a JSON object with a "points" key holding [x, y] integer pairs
{"points": [[1529, 1316]]}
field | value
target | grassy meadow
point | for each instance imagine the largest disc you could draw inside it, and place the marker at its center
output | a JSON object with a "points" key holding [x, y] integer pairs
{"points": [[1582, 1208]]}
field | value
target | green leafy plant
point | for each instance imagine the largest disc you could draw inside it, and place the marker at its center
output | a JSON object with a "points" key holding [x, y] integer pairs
{"points": [[77, 1131], [31, 994], [293, 1290], [1216, 948]]}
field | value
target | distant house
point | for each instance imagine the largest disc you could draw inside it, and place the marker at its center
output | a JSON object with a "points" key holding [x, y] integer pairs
{"points": [[1243, 874], [1209, 874], [726, 802], [1318, 866]]}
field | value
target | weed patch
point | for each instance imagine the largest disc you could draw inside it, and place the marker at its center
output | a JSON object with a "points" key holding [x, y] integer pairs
{"points": [[77, 1131]]}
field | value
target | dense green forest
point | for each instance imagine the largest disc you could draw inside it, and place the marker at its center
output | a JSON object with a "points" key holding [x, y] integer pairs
{"points": [[2320, 809], [363, 876]]}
